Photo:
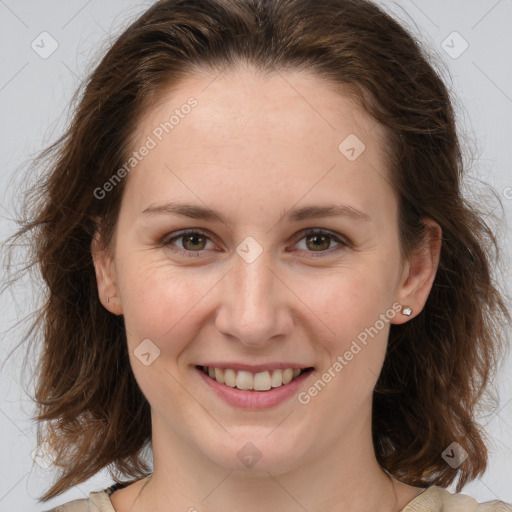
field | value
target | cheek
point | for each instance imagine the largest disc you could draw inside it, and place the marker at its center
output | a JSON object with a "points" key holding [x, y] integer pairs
{"points": [[354, 314], [162, 304], [165, 308], [346, 302]]}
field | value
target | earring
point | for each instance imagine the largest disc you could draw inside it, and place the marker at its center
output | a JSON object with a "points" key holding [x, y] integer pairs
{"points": [[406, 310]]}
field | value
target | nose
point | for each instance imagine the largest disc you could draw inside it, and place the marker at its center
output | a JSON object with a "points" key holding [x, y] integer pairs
{"points": [[256, 305]]}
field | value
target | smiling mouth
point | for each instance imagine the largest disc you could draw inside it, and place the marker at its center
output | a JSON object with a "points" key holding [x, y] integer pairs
{"points": [[248, 381]]}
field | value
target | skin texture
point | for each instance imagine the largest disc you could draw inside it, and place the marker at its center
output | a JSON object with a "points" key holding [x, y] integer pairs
{"points": [[254, 148]]}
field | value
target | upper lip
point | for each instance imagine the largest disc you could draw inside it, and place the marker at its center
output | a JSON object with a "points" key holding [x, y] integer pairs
{"points": [[255, 368]]}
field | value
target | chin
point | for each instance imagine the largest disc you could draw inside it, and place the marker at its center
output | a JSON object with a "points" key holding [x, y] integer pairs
{"points": [[257, 456]]}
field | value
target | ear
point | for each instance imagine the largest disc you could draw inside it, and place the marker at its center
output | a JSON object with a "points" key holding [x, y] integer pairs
{"points": [[419, 272], [106, 278]]}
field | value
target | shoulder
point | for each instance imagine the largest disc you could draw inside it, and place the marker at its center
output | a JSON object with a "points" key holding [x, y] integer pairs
{"points": [[438, 499], [97, 502]]}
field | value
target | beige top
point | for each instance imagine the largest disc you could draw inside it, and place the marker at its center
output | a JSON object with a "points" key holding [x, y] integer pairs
{"points": [[432, 499]]}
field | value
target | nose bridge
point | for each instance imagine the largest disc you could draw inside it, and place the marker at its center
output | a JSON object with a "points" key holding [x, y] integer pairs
{"points": [[253, 300], [255, 282]]}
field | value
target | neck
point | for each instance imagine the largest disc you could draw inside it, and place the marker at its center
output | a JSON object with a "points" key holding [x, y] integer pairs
{"points": [[344, 476]]}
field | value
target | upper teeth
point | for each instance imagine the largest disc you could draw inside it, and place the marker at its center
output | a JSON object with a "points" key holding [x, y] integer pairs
{"points": [[262, 381]]}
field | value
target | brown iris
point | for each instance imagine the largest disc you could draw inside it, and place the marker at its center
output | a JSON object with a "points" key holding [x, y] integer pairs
{"points": [[193, 238], [316, 245]]}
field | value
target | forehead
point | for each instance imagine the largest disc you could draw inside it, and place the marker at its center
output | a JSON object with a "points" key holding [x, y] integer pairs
{"points": [[243, 98], [248, 134]]}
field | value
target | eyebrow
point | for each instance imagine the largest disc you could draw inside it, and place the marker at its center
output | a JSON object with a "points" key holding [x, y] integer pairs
{"points": [[195, 211]]}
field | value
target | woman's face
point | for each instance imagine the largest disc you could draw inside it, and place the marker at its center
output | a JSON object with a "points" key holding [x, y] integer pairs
{"points": [[250, 286]]}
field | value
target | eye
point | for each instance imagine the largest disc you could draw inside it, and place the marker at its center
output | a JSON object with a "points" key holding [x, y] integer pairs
{"points": [[193, 242], [319, 240]]}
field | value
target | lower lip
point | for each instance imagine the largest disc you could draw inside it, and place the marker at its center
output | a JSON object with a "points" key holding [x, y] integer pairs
{"points": [[248, 399]]}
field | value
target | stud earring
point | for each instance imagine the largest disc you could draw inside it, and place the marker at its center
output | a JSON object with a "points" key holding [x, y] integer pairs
{"points": [[406, 310]]}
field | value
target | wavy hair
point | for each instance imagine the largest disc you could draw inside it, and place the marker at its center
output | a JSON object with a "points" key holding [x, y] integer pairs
{"points": [[438, 366]]}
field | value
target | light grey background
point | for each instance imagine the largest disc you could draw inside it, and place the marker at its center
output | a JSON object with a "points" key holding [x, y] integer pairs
{"points": [[35, 92]]}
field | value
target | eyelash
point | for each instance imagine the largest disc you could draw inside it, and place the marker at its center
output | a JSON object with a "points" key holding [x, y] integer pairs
{"points": [[167, 242]]}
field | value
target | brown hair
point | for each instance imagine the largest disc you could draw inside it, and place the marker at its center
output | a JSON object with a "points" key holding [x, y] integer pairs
{"points": [[438, 366]]}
